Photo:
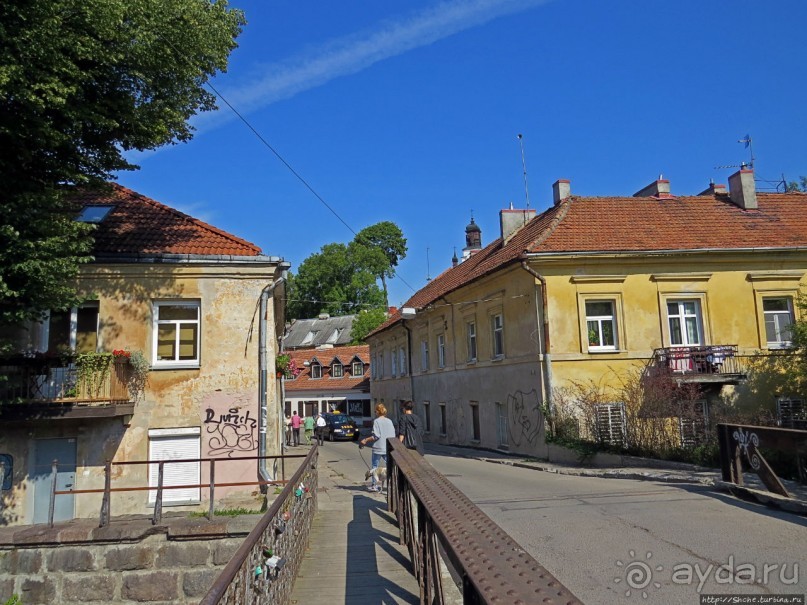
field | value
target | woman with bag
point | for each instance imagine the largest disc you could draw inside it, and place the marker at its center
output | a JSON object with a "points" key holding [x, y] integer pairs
{"points": [[410, 429]]}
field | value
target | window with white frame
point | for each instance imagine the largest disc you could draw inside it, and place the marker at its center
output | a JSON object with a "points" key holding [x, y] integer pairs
{"points": [[497, 328], [686, 325], [358, 368], [402, 360], [424, 355], [337, 371], [470, 330], [778, 321], [394, 360], [600, 325], [176, 333], [316, 370], [441, 350]]}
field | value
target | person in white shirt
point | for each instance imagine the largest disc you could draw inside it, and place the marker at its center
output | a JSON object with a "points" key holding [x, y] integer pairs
{"points": [[320, 429], [383, 429]]}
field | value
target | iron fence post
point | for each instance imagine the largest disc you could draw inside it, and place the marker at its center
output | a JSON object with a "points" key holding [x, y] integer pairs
{"points": [[52, 504], [212, 488]]}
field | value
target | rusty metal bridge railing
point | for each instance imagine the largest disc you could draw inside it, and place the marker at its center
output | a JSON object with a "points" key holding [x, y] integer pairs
{"points": [[434, 515]]}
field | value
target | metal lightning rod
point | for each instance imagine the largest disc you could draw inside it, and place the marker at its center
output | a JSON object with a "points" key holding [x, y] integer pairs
{"points": [[524, 166]]}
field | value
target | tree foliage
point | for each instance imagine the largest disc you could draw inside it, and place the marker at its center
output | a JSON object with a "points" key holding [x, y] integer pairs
{"points": [[81, 83], [800, 185], [342, 279], [366, 322]]}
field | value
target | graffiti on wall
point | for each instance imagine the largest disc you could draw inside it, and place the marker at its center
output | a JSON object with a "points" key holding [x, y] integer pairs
{"points": [[526, 419], [230, 432]]}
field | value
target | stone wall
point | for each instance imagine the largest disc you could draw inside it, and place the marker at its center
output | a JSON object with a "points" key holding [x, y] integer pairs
{"points": [[173, 563]]}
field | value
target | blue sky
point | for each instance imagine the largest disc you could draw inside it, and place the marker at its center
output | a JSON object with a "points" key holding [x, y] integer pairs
{"points": [[409, 111]]}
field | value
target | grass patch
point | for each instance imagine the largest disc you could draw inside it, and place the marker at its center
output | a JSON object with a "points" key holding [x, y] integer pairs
{"points": [[228, 512]]}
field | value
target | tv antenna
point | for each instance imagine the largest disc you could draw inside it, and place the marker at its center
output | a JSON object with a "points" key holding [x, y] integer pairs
{"points": [[428, 269], [524, 166], [750, 147]]}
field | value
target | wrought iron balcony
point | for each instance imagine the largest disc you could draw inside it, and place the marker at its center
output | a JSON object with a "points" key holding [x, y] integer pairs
{"points": [[710, 363], [33, 388]]}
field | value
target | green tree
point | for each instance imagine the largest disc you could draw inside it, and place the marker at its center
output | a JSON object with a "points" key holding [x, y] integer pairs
{"points": [[333, 281], [386, 247], [366, 322], [342, 279], [800, 185], [81, 83]]}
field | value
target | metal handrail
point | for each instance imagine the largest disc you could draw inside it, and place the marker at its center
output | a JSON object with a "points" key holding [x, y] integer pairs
{"points": [[431, 511], [283, 531]]}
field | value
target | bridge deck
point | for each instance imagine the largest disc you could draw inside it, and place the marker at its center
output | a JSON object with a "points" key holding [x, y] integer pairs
{"points": [[354, 554]]}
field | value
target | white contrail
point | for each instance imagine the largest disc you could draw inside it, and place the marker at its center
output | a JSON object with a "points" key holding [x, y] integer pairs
{"points": [[353, 53]]}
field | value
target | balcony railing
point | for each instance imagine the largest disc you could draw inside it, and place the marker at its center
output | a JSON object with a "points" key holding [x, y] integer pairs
{"points": [[36, 381], [711, 362]]}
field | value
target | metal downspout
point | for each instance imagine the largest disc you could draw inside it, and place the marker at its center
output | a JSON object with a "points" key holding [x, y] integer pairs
{"points": [[409, 361], [547, 349], [263, 471]]}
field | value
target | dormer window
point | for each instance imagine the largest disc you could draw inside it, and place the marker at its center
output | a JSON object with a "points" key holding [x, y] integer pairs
{"points": [[316, 370], [334, 336], [309, 338], [337, 371], [358, 368]]}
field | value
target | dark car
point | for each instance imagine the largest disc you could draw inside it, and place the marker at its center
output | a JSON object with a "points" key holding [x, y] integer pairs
{"points": [[340, 426]]}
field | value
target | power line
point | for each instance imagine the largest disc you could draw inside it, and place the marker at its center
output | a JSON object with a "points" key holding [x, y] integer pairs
{"points": [[279, 157]]}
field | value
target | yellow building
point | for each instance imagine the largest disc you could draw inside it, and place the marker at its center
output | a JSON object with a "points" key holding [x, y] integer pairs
{"points": [[591, 294], [201, 309]]}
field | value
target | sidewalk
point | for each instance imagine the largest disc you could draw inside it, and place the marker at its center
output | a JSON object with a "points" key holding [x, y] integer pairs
{"points": [[640, 469]]}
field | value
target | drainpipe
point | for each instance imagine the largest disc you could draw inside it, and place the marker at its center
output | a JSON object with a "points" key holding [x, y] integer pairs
{"points": [[263, 471], [409, 361], [547, 348]]}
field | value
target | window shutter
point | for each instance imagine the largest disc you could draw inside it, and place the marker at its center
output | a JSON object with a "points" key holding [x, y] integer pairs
{"points": [[610, 423], [791, 413], [177, 447]]}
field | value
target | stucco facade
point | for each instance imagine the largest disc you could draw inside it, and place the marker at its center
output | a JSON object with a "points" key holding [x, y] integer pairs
{"points": [[199, 320]]}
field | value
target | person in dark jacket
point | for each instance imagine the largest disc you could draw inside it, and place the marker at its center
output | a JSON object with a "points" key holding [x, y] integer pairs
{"points": [[410, 428]]}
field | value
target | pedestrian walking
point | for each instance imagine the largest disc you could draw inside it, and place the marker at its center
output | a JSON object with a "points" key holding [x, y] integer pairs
{"points": [[296, 421], [320, 428], [383, 429], [410, 428], [308, 426], [288, 429]]}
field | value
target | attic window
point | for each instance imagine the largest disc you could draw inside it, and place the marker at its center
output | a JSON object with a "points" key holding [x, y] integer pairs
{"points": [[309, 338], [93, 214], [334, 336]]}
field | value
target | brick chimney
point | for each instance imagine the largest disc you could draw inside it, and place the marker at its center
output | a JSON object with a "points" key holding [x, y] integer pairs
{"points": [[742, 190], [513, 220], [658, 188], [561, 189], [392, 311]]}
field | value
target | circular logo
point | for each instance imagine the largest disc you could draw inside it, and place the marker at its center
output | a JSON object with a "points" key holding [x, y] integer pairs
{"points": [[637, 574]]}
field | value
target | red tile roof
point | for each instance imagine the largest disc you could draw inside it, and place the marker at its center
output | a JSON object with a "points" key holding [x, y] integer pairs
{"points": [[345, 355], [633, 225], [140, 225]]}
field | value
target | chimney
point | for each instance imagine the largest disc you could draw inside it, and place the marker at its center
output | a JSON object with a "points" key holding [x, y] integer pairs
{"points": [[742, 189], [561, 189], [714, 189], [658, 188], [392, 311], [513, 220]]}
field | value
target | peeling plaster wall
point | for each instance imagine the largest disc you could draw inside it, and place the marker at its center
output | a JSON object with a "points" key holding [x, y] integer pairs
{"points": [[219, 398]]}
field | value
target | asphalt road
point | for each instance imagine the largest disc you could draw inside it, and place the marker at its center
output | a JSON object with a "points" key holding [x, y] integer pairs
{"points": [[615, 541]]}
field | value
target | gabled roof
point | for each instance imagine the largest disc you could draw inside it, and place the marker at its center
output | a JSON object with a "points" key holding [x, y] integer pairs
{"points": [[138, 225], [321, 329], [304, 382], [626, 225]]}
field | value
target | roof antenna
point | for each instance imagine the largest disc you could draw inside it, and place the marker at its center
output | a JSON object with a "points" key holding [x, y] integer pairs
{"points": [[524, 166], [428, 269], [747, 140]]}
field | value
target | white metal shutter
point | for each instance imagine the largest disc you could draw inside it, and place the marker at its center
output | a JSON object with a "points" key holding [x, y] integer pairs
{"points": [[610, 423], [175, 447], [791, 413]]}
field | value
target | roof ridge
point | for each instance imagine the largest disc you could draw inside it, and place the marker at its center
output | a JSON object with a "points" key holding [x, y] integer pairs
{"points": [[188, 217], [553, 224]]}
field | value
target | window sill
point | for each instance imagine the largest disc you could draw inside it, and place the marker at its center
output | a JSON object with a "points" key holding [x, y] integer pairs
{"points": [[601, 351], [471, 362], [180, 503], [157, 367], [497, 358]]}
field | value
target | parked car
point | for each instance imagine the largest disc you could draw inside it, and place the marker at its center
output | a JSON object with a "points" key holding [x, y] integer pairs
{"points": [[340, 426]]}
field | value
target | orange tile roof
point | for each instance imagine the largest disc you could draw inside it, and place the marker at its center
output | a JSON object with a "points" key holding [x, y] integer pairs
{"points": [[633, 225], [304, 382], [140, 225]]}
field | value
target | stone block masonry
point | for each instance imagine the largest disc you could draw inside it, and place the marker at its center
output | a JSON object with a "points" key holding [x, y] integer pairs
{"points": [[175, 562]]}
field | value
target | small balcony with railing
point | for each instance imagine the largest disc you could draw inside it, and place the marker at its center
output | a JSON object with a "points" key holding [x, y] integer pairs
{"points": [[719, 364], [37, 387]]}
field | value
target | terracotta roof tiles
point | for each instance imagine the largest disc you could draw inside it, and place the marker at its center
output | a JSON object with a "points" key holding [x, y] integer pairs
{"points": [[304, 382], [139, 225]]}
